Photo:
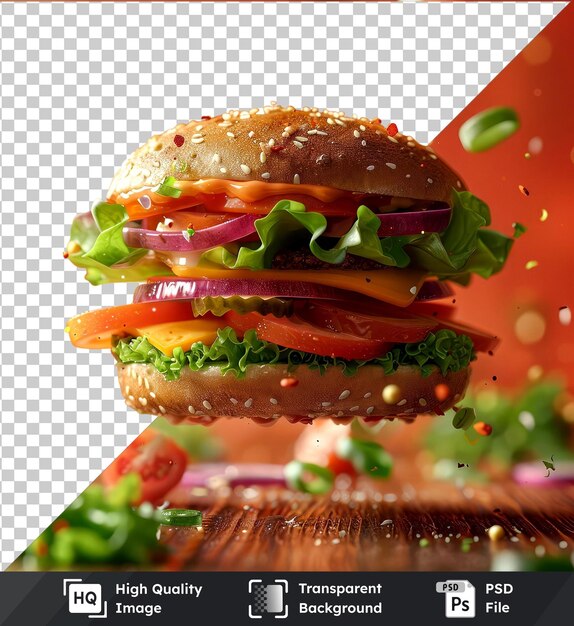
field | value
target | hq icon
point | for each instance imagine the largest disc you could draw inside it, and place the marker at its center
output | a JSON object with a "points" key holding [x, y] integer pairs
{"points": [[85, 598]]}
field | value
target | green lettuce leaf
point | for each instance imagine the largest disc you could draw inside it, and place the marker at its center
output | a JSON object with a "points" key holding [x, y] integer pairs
{"points": [[444, 349], [102, 252], [466, 247], [289, 222]]}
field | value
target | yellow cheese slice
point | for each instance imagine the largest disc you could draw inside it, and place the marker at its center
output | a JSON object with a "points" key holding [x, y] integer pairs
{"points": [[166, 337], [395, 286]]}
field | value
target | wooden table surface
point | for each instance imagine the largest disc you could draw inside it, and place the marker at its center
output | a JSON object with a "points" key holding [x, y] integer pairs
{"points": [[364, 528]]}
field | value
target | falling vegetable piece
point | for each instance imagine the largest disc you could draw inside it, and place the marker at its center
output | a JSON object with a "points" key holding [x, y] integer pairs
{"points": [[166, 188], [549, 465], [180, 517], [519, 230], [464, 418], [523, 190], [488, 128], [530, 265], [308, 477], [367, 457], [482, 428]]}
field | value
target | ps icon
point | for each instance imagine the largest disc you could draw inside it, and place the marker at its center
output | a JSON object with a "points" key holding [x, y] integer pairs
{"points": [[460, 598]]}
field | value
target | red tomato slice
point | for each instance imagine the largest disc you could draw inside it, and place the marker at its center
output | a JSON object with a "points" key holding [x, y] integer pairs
{"points": [[483, 342], [95, 329], [159, 462], [299, 334], [396, 327]]}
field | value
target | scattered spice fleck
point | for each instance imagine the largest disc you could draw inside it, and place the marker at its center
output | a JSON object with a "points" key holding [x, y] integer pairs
{"points": [[206, 117], [523, 190], [483, 429], [564, 315], [289, 382], [179, 140], [496, 533]]}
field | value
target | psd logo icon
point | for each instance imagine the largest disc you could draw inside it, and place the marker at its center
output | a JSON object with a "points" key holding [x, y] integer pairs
{"points": [[85, 598], [268, 599], [460, 598]]}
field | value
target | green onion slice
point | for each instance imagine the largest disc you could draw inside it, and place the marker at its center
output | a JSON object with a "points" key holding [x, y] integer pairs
{"points": [[180, 517], [488, 128], [297, 476], [167, 189]]}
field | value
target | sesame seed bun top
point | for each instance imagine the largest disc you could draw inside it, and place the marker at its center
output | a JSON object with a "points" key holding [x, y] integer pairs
{"points": [[286, 145]]}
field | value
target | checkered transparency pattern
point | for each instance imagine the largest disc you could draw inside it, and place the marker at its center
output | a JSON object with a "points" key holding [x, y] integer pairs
{"points": [[83, 84]]}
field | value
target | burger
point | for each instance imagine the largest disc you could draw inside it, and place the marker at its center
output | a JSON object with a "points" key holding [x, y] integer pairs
{"points": [[291, 263]]}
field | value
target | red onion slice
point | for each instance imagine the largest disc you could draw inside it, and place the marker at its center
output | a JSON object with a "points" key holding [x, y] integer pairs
{"points": [[414, 222], [233, 475], [187, 288], [201, 240]]}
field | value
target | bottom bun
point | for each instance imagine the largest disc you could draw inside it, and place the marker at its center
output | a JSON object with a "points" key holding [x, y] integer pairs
{"points": [[268, 392]]}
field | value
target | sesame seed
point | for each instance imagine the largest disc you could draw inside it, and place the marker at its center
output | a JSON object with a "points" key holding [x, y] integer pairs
{"points": [[191, 409], [225, 124], [197, 135], [273, 400], [289, 129], [391, 166], [458, 184], [245, 168], [248, 403], [344, 394], [313, 131], [303, 139], [368, 394], [422, 402], [322, 132], [131, 398], [370, 410], [216, 158], [392, 139], [233, 400], [152, 394], [402, 402], [223, 170], [430, 181], [433, 156], [356, 133], [266, 175], [325, 404], [370, 167], [207, 405], [340, 122], [296, 179], [411, 144], [230, 134], [199, 127], [413, 289], [330, 120], [127, 389], [363, 143], [354, 408], [298, 144], [226, 116], [197, 140], [408, 176], [263, 157], [284, 134], [161, 408], [146, 383], [271, 142], [143, 401], [250, 134]]}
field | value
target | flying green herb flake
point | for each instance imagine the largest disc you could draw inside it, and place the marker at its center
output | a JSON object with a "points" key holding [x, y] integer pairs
{"points": [[424, 543], [464, 418], [166, 188], [519, 229], [466, 544], [549, 465], [188, 233]]}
